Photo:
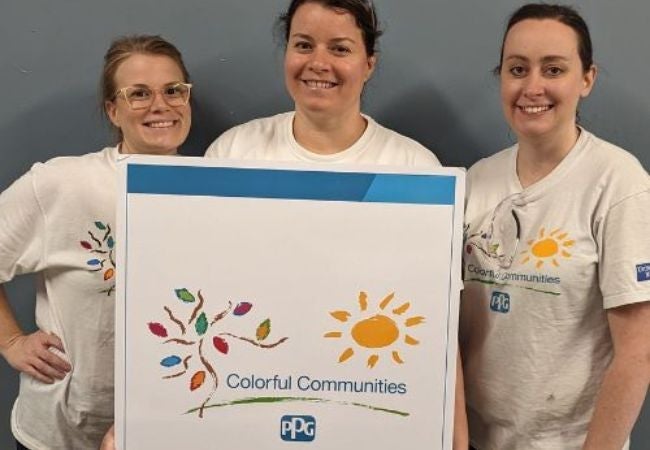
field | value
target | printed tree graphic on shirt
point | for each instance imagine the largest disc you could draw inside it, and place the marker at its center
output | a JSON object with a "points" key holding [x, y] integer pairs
{"points": [[192, 336], [101, 246]]}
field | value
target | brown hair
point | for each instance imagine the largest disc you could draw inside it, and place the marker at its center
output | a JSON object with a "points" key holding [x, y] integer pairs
{"points": [[363, 11], [125, 46], [563, 14]]}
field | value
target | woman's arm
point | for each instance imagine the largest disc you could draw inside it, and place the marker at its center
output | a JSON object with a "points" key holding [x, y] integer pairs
{"points": [[461, 433], [625, 384], [29, 353], [108, 443]]}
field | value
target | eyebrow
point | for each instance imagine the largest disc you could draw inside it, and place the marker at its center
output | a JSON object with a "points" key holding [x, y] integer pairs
{"points": [[545, 59], [309, 38]]}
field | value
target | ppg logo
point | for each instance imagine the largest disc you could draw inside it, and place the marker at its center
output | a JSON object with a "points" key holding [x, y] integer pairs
{"points": [[500, 302], [298, 428]]}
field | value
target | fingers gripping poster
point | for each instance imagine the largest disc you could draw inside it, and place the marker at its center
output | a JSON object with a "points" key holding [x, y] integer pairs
{"points": [[283, 307]]}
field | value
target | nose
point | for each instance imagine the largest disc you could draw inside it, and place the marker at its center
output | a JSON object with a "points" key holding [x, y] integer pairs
{"points": [[319, 61], [158, 103], [534, 84]]}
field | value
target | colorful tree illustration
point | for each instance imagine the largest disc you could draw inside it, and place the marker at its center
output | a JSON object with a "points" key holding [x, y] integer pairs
{"points": [[193, 333], [102, 247]]}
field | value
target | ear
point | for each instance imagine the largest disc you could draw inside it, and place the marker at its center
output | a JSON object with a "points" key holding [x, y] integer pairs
{"points": [[111, 111], [589, 79], [372, 62]]}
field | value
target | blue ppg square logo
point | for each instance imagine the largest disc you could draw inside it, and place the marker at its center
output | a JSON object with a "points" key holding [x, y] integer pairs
{"points": [[500, 302], [298, 428], [643, 272]]}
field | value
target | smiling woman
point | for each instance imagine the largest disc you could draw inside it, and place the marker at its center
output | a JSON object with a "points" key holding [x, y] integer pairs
{"points": [[330, 55], [58, 221], [557, 353]]}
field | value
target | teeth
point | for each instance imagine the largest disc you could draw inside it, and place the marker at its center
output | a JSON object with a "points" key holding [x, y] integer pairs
{"points": [[535, 109], [319, 84], [165, 124]]}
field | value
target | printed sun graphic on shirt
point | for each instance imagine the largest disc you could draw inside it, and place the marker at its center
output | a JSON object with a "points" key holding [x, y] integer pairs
{"points": [[190, 338], [548, 248], [379, 331], [100, 245]]}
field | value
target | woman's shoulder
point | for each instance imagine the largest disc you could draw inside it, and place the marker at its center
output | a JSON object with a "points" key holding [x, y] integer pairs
{"points": [[253, 133], [399, 143], [64, 170], [612, 167], [493, 164]]}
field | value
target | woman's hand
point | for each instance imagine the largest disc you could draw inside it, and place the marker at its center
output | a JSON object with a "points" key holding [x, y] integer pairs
{"points": [[31, 354], [108, 443]]}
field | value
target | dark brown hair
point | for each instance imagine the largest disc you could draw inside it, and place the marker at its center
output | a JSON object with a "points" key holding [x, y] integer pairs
{"points": [[363, 11], [563, 14]]}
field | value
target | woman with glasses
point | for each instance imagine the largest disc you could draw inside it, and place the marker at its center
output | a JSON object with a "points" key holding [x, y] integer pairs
{"points": [[555, 318], [58, 221]]}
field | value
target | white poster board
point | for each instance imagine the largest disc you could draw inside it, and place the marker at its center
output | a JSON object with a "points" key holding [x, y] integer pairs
{"points": [[276, 307]]}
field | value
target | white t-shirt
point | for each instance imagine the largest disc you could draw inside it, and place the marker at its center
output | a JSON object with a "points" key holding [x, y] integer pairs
{"points": [[271, 139], [534, 334], [58, 221]]}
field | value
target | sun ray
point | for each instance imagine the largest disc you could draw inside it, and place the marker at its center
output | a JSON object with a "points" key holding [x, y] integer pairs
{"points": [[402, 309], [562, 236], [531, 242], [333, 334], [566, 254], [410, 340], [341, 316], [413, 321], [347, 354], [375, 330], [525, 260], [554, 232], [539, 264], [363, 301], [541, 232], [384, 303], [555, 263], [568, 243]]}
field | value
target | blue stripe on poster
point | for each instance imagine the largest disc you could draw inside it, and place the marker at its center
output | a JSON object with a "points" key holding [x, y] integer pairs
{"points": [[290, 184]]}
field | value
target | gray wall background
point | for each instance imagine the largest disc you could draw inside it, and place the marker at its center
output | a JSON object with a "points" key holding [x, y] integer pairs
{"points": [[433, 84]]}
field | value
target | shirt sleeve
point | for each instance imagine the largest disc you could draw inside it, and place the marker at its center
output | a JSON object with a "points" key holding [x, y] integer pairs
{"points": [[22, 229], [625, 252], [221, 145]]}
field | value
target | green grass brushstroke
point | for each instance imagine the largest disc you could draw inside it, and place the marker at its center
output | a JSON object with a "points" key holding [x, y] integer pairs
{"points": [[254, 400], [514, 285]]}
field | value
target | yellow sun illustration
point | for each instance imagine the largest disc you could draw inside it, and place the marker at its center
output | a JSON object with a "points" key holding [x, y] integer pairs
{"points": [[548, 248], [377, 331]]}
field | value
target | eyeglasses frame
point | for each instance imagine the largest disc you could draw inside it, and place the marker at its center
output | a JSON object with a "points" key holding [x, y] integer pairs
{"points": [[122, 93]]}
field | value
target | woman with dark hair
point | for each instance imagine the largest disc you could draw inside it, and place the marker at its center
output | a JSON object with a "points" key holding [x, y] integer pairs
{"points": [[58, 221], [330, 55], [331, 52], [555, 318]]}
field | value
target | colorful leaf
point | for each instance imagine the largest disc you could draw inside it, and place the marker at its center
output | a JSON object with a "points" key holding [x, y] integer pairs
{"points": [[170, 361], [100, 225], [263, 330], [94, 262], [109, 274], [86, 245], [197, 380], [242, 308], [158, 329], [185, 295], [201, 324], [220, 344], [110, 242]]}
